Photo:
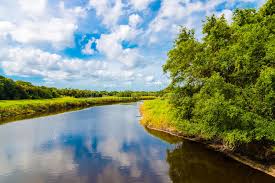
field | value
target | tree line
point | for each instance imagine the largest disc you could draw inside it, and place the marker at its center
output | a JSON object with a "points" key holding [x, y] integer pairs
{"points": [[12, 90], [223, 86]]}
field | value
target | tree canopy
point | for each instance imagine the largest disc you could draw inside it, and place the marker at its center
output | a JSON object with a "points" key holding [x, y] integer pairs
{"points": [[224, 84]]}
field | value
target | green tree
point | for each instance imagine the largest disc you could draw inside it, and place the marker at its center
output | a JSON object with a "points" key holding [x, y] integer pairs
{"points": [[223, 85]]}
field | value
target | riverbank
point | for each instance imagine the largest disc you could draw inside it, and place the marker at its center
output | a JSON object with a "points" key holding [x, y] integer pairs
{"points": [[158, 115], [15, 109]]}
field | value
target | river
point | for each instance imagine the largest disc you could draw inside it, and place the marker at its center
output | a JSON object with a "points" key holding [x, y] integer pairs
{"points": [[107, 144]]}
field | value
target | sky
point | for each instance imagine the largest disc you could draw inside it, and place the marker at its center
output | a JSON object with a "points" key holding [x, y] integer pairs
{"points": [[99, 44]]}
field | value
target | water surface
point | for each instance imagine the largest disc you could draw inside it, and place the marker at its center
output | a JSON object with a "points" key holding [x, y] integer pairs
{"points": [[107, 144]]}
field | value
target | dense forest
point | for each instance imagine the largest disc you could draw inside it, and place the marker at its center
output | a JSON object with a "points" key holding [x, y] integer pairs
{"points": [[11, 90], [223, 86]]}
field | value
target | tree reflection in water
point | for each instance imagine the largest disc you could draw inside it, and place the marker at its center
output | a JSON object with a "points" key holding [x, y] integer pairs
{"points": [[191, 162]]}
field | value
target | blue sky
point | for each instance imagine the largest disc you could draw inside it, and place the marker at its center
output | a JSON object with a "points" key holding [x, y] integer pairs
{"points": [[99, 45]]}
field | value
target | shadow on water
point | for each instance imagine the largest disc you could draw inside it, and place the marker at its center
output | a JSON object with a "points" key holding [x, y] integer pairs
{"points": [[192, 162], [164, 136], [37, 115]]}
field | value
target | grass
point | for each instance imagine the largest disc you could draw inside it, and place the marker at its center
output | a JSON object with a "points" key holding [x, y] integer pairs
{"points": [[14, 108], [158, 114]]}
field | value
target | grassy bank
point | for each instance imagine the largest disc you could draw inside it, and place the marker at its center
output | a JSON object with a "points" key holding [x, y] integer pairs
{"points": [[10, 109], [159, 115]]}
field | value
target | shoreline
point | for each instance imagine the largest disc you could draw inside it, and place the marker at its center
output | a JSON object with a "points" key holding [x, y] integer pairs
{"points": [[27, 109], [270, 170]]}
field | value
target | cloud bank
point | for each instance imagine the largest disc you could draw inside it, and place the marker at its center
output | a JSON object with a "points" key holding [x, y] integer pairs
{"points": [[107, 44]]}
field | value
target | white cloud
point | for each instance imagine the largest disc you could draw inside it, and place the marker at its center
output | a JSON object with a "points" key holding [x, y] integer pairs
{"points": [[157, 82], [134, 20], [34, 23], [35, 62], [190, 14], [149, 78], [5, 28], [140, 4], [108, 10], [131, 58], [111, 46], [171, 15], [34, 8], [53, 68], [58, 32]]}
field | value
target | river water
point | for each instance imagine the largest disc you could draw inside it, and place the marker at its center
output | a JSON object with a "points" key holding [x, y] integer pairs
{"points": [[107, 144]]}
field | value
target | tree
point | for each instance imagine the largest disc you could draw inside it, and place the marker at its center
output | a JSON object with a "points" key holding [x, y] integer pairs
{"points": [[224, 84]]}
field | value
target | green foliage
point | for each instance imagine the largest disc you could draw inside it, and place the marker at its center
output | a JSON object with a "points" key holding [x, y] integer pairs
{"points": [[224, 86], [268, 8], [10, 90], [79, 93]]}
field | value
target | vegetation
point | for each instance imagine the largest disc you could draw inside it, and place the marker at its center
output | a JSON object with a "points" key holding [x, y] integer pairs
{"points": [[20, 99], [223, 87], [158, 114], [11, 90], [13, 108]]}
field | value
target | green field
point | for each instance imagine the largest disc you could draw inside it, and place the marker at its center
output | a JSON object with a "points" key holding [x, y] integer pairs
{"points": [[21, 108]]}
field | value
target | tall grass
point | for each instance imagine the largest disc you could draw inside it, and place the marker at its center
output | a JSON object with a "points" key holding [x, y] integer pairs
{"points": [[158, 114]]}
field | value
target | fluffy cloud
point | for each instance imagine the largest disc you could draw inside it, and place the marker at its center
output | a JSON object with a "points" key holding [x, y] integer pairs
{"points": [[130, 47], [35, 62], [149, 78], [111, 46], [140, 4], [56, 31], [29, 62], [108, 10], [35, 8], [172, 14], [190, 14], [34, 23], [134, 20], [5, 28]]}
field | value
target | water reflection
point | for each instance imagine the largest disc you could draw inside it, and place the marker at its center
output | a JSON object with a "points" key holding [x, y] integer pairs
{"points": [[192, 162], [101, 144], [105, 144]]}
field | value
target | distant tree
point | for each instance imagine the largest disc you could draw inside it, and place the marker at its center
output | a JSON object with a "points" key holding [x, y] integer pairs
{"points": [[10, 89]]}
